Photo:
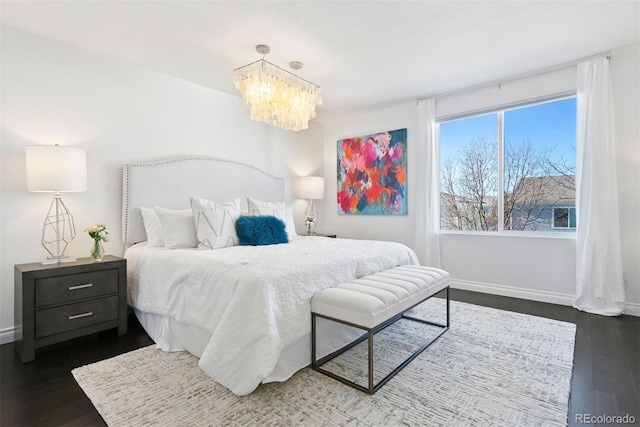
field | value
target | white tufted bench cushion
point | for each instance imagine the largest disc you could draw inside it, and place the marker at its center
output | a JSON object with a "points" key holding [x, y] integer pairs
{"points": [[374, 302], [373, 299]]}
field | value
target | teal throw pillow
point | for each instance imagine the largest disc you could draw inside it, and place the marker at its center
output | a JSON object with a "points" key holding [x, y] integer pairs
{"points": [[260, 230]]}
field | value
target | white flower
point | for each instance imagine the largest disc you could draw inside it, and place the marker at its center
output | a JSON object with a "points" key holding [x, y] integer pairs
{"points": [[98, 232]]}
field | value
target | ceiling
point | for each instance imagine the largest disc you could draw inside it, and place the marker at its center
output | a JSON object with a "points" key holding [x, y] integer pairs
{"points": [[365, 54]]}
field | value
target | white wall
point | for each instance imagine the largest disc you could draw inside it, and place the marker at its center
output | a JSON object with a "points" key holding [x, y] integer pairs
{"points": [[537, 268], [119, 113], [300, 154]]}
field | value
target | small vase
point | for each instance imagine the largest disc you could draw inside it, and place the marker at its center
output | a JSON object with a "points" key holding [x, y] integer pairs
{"points": [[97, 251], [311, 228]]}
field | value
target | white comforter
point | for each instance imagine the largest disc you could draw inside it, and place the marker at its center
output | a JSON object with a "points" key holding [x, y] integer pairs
{"points": [[253, 300]]}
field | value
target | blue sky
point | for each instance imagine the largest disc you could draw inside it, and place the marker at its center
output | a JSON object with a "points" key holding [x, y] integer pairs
{"points": [[545, 125]]}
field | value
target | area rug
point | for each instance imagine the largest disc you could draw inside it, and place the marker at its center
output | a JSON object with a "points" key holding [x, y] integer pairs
{"points": [[492, 368]]}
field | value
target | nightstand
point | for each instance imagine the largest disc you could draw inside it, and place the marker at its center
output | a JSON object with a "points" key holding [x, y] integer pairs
{"points": [[333, 236], [57, 302]]}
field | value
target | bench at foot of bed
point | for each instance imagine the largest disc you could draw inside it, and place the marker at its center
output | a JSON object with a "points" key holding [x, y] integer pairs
{"points": [[374, 302]]}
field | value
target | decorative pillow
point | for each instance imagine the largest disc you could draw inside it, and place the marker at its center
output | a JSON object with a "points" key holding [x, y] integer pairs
{"points": [[153, 227], [215, 223], [261, 230], [177, 228], [277, 209]]}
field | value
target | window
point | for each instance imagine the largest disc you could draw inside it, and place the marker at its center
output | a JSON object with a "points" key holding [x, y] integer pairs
{"points": [[564, 217], [510, 170]]}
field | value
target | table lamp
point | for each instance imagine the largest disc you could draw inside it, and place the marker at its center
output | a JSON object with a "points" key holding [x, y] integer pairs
{"points": [[56, 169], [311, 187]]}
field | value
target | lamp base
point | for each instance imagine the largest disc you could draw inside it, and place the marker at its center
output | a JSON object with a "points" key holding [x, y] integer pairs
{"points": [[57, 260], [58, 231], [310, 218]]}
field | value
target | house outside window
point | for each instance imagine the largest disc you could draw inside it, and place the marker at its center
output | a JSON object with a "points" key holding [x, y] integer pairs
{"points": [[510, 170]]}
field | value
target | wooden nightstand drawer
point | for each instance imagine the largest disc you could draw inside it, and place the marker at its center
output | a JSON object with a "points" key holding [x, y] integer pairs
{"points": [[53, 321], [74, 287]]}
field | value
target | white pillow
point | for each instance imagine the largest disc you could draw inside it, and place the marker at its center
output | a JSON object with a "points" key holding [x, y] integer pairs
{"points": [[290, 223], [153, 227], [215, 223], [178, 228], [277, 209]]}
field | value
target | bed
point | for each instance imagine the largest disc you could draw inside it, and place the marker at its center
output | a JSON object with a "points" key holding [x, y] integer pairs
{"points": [[243, 310]]}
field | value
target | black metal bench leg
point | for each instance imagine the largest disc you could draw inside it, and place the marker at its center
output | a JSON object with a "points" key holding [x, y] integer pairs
{"points": [[448, 309], [313, 341], [370, 333]]}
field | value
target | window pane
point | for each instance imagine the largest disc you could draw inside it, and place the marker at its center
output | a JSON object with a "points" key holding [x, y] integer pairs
{"points": [[539, 166], [560, 217], [572, 218], [469, 174]]}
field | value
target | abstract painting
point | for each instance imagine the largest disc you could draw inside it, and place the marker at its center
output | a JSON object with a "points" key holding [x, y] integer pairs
{"points": [[372, 174]]}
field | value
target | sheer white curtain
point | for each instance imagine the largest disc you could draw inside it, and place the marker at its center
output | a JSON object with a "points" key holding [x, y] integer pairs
{"points": [[600, 287], [427, 227]]}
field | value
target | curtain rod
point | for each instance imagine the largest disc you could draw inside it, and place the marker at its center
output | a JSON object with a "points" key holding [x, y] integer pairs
{"points": [[520, 76]]}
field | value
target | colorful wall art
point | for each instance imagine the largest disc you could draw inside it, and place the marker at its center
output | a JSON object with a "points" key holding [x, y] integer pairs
{"points": [[372, 174]]}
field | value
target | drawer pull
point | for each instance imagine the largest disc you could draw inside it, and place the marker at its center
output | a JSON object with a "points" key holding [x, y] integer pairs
{"points": [[73, 288], [78, 316]]}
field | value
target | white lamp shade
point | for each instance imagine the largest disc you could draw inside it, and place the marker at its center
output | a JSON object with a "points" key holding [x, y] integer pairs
{"points": [[53, 168], [312, 187]]}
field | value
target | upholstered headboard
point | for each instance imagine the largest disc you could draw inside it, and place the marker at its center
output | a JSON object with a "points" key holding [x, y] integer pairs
{"points": [[170, 184]]}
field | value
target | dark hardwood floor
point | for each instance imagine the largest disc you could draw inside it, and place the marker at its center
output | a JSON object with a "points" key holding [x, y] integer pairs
{"points": [[606, 370], [44, 393]]}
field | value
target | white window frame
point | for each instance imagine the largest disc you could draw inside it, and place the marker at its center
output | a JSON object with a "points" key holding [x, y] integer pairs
{"points": [[499, 111]]}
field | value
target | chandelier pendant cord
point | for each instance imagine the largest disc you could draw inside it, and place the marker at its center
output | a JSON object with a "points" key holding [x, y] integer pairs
{"points": [[264, 61]]}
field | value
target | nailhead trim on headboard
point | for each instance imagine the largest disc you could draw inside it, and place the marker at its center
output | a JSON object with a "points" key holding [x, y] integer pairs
{"points": [[126, 179]]}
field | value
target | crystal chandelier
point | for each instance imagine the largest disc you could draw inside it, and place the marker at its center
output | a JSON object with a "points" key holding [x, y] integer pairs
{"points": [[275, 95]]}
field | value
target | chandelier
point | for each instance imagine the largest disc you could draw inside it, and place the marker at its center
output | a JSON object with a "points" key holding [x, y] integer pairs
{"points": [[277, 96]]}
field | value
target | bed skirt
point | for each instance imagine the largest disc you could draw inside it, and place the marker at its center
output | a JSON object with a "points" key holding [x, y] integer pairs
{"points": [[171, 335]]}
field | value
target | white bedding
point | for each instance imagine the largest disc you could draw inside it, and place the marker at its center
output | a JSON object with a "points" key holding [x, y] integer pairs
{"points": [[253, 301]]}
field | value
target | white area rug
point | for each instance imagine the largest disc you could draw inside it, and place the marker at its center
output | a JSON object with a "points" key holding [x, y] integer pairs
{"points": [[492, 368]]}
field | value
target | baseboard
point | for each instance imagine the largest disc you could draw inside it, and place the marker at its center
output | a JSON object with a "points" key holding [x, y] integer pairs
{"points": [[7, 335], [510, 291], [632, 309]]}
